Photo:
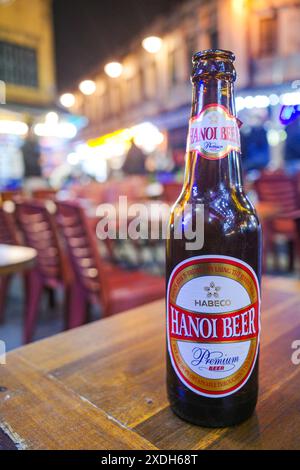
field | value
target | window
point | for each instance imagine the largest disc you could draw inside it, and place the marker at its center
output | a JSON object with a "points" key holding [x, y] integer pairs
{"points": [[93, 107], [172, 67], [130, 92], [18, 65], [141, 83], [152, 79], [106, 110], [191, 49], [116, 99], [267, 35], [119, 98], [149, 87], [136, 88]]}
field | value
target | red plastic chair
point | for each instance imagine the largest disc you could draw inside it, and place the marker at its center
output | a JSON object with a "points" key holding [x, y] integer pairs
{"points": [[44, 194], [11, 195], [8, 229], [52, 269], [8, 236], [172, 191], [98, 281], [280, 189]]}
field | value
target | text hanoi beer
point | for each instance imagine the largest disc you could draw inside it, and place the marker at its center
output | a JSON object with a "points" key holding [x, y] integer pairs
{"points": [[213, 291]]}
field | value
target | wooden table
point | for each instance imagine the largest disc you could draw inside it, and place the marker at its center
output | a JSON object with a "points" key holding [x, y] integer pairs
{"points": [[15, 258], [102, 386]]}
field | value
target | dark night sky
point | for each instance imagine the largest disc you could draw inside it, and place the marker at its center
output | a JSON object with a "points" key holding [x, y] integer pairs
{"points": [[89, 31]]}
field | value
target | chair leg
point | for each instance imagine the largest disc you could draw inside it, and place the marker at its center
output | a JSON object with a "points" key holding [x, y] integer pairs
{"points": [[4, 286], [274, 250], [78, 307], [107, 307], [266, 246], [51, 297], [291, 255], [67, 305], [297, 251], [34, 288]]}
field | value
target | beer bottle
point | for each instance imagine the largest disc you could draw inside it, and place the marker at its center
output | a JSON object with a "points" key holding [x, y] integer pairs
{"points": [[213, 290]]}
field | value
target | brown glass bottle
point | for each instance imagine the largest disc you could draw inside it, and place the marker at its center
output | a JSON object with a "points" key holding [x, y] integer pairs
{"points": [[213, 299]]}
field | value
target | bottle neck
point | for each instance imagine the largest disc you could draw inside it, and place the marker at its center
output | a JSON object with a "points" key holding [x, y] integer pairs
{"points": [[204, 176]]}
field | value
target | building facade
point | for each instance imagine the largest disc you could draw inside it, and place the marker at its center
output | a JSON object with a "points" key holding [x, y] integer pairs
{"points": [[28, 108], [26, 52], [264, 34]]}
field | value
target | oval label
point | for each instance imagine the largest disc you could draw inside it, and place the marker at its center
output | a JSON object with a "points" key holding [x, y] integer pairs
{"points": [[213, 323], [214, 133]]}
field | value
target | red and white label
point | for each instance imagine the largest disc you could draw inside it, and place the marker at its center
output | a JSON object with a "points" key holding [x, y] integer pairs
{"points": [[213, 323], [214, 133]]}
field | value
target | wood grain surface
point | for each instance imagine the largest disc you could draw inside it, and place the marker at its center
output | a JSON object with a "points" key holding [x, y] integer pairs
{"points": [[102, 386]]}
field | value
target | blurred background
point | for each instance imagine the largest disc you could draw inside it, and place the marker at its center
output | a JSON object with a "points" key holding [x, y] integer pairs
{"points": [[95, 99], [87, 79]]}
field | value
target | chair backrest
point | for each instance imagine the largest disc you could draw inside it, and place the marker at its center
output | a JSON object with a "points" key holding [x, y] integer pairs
{"points": [[8, 230], [39, 230], [278, 188], [44, 194], [11, 195], [82, 248]]}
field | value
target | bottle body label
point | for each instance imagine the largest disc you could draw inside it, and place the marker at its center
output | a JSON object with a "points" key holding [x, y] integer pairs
{"points": [[214, 133], [213, 323]]}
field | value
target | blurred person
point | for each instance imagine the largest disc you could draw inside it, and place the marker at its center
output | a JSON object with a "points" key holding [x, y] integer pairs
{"points": [[65, 175], [33, 178], [135, 161], [292, 147], [255, 148], [11, 166]]}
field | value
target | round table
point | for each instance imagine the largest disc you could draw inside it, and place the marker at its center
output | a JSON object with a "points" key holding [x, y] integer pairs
{"points": [[15, 258]]}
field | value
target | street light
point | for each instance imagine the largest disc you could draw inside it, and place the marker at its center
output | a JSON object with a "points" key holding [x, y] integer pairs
{"points": [[52, 118], [152, 44], [113, 69], [67, 100], [87, 87]]}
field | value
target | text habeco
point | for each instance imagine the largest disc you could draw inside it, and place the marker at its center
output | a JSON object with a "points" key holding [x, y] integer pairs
{"points": [[207, 327], [203, 134]]}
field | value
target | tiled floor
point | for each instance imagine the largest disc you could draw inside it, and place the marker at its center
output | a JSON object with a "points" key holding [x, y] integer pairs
{"points": [[50, 320]]}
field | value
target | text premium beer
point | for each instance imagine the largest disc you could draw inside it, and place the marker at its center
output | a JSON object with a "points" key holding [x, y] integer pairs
{"points": [[213, 293]]}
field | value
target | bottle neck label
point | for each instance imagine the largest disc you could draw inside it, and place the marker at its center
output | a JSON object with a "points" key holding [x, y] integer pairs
{"points": [[214, 133], [213, 323]]}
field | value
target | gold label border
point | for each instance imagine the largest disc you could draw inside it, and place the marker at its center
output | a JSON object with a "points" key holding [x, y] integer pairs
{"points": [[239, 274]]}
